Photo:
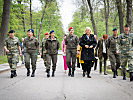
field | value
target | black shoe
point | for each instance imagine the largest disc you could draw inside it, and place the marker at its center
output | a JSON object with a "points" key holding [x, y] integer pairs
{"points": [[12, 74], [88, 76], [69, 73], [105, 74], [73, 73], [48, 73], [131, 76], [53, 73], [28, 72], [124, 76], [116, 73], [15, 74], [33, 73], [114, 76], [83, 74]]}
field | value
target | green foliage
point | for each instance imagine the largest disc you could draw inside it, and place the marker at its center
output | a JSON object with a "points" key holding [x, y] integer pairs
{"points": [[3, 59]]}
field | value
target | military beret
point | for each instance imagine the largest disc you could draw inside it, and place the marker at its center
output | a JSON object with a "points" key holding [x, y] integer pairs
{"points": [[11, 31], [70, 28], [115, 28], [51, 31], [31, 30], [46, 33], [126, 25]]}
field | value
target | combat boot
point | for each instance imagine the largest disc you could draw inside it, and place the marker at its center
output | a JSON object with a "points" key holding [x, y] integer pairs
{"points": [[33, 73], [124, 76], [131, 76], [28, 72], [12, 73], [15, 74], [83, 73], [69, 73], [72, 73], [114, 74], [53, 73], [48, 73]]}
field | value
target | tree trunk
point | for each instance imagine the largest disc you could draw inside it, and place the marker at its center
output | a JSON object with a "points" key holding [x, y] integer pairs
{"points": [[44, 9], [23, 18], [106, 10], [92, 18], [31, 15], [120, 13], [4, 24], [129, 13]]}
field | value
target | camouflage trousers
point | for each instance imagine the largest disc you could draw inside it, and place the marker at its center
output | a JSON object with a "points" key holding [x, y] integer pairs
{"points": [[33, 57], [127, 58], [114, 60], [44, 59], [71, 56], [13, 59], [49, 58]]}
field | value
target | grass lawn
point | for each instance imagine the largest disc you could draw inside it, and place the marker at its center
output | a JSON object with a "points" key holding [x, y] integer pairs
{"points": [[3, 59]]}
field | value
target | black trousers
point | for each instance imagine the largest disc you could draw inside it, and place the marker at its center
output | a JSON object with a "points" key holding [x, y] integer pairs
{"points": [[78, 64], [95, 64], [87, 66]]}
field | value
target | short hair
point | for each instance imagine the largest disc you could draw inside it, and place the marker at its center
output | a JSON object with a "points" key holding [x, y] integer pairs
{"points": [[105, 36]]}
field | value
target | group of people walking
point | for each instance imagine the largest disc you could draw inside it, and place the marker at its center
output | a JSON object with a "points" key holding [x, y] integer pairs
{"points": [[118, 48]]}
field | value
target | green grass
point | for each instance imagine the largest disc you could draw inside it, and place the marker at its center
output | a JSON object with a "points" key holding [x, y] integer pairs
{"points": [[119, 72], [3, 59]]}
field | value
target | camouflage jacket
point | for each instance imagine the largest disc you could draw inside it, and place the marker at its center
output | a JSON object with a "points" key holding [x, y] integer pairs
{"points": [[125, 42], [52, 46], [42, 47], [12, 45], [30, 44], [72, 41], [112, 44]]}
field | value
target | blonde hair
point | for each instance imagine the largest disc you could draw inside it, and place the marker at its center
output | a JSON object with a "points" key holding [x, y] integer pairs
{"points": [[88, 28]]}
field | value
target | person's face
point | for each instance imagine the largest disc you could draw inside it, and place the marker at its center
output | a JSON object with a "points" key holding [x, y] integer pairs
{"points": [[29, 34], [71, 31], [11, 35], [64, 37], [46, 36], [52, 34], [22, 39], [115, 32], [126, 29], [88, 32]]}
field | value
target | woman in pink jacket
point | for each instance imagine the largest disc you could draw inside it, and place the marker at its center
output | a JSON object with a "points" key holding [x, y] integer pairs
{"points": [[64, 54]]}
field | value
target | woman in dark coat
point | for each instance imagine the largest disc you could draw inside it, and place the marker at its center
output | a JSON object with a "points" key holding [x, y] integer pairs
{"points": [[88, 43]]}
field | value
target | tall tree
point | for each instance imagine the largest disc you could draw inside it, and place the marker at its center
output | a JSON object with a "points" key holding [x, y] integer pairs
{"points": [[106, 12], [31, 14], [22, 13], [44, 9], [129, 13], [4, 24], [120, 13], [92, 18]]}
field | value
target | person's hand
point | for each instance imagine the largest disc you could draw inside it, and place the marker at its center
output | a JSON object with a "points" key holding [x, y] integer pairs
{"points": [[7, 51], [91, 46], [78, 52], [117, 52], [86, 46], [20, 54]]}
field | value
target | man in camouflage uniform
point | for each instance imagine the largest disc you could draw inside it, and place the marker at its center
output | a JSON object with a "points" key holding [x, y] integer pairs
{"points": [[12, 48], [114, 56], [30, 44], [43, 49], [126, 49], [52, 46], [71, 43]]}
